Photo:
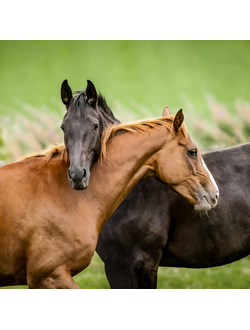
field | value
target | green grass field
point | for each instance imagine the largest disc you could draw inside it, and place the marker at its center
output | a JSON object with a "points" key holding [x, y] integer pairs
{"points": [[209, 80], [235, 275], [232, 276]]}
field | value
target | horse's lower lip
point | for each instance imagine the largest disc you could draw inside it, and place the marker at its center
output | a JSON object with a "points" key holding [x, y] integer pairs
{"points": [[78, 185]]}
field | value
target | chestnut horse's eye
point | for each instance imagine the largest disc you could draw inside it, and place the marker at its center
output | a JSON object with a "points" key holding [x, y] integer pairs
{"points": [[192, 153]]}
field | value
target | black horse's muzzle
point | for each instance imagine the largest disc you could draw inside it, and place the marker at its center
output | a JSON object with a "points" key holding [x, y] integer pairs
{"points": [[78, 177]]}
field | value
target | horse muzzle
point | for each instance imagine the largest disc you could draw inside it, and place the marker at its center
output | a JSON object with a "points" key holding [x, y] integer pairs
{"points": [[78, 178], [206, 201]]}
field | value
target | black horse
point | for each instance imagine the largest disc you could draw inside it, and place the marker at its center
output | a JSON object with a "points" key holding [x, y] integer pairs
{"points": [[86, 129], [154, 226]]}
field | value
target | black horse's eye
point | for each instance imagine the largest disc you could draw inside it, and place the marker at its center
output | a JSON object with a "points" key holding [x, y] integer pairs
{"points": [[96, 125], [192, 153], [62, 128]]}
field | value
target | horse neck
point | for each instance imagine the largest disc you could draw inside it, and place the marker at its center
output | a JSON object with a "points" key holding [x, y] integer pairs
{"points": [[129, 159]]}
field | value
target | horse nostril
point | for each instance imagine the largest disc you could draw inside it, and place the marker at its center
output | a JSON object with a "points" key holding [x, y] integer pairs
{"points": [[84, 172], [77, 174], [217, 195]]}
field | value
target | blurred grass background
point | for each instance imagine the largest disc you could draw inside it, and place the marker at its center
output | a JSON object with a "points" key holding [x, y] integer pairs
{"points": [[209, 80]]}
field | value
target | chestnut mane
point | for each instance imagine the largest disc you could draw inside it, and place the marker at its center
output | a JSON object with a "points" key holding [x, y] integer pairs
{"points": [[52, 150], [138, 127]]}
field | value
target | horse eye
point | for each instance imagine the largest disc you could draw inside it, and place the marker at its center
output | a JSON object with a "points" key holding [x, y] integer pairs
{"points": [[192, 152], [96, 125], [62, 128]]}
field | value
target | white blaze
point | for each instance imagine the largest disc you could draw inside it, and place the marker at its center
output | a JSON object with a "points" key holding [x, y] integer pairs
{"points": [[211, 177]]}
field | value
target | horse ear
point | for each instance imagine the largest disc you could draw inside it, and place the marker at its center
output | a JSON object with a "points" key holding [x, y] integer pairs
{"points": [[178, 120], [66, 93], [166, 111], [91, 93]]}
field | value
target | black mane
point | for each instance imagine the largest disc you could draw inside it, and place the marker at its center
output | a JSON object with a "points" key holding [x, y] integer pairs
{"points": [[106, 116], [103, 105]]}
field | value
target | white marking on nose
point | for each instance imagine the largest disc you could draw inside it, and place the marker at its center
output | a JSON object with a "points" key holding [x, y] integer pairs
{"points": [[211, 177]]}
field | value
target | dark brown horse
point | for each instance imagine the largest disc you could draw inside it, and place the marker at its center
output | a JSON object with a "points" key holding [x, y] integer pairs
{"points": [[49, 231], [154, 226]]}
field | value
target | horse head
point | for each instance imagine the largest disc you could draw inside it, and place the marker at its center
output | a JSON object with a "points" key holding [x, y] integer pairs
{"points": [[186, 173], [82, 126]]}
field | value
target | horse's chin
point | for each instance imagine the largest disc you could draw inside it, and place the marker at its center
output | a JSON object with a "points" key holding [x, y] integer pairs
{"points": [[202, 206], [78, 185]]}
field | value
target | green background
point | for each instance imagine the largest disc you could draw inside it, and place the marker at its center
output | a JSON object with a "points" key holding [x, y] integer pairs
{"points": [[138, 78], [151, 73]]}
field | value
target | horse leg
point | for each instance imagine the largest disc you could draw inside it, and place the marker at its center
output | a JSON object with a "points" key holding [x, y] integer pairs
{"points": [[141, 273], [118, 275], [144, 271], [60, 278], [144, 276]]}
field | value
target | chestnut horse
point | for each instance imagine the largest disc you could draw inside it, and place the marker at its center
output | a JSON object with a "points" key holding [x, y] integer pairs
{"points": [[49, 231]]}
